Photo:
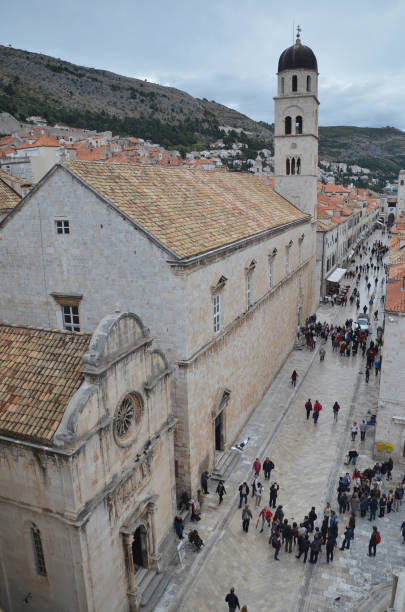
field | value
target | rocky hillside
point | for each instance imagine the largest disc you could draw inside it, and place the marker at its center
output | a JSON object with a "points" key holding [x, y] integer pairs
{"points": [[382, 150], [35, 84]]}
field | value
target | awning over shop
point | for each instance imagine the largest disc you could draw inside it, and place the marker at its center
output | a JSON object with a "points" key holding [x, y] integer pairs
{"points": [[337, 275]]}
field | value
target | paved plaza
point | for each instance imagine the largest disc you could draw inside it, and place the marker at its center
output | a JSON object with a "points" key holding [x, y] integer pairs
{"points": [[308, 461]]}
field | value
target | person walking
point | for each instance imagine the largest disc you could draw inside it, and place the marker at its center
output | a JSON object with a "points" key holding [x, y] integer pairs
{"points": [[303, 547], [258, 493], [294, 377], [330, 546], [367, 374], [204, 482], [355, 430], [273, 494], [243, 493], [403, 532], [383, 505], [316, 411], [265, 515], [308, 407], [377, 366], [312, 516], [276, 544], [257, 466], [336, 409], [288, 536], [398, 495], [315, 549], [348, 535], [375, 539], [246, 516], [220, 491], [363, 429], [373, 508], [268, 466], [232, 600]]}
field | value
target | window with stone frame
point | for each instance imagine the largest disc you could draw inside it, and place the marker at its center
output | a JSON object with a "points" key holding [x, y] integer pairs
{"points": [[249, 289], [271, 262], [38, 551]]}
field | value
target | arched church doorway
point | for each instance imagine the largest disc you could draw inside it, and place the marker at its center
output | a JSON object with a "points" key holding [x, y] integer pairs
{"points": [[140, 548]]}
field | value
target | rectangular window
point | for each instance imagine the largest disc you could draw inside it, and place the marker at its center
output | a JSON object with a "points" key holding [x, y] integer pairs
{"points": [[216, 305], [62, 226], [300, 251], [287, 261], [70, 315], [249, 290], [270, 273], [38, 551]]}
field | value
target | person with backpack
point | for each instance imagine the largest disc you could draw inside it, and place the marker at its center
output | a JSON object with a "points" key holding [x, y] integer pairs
{"points": [[375, 539], [308, 408], [246, 516]]}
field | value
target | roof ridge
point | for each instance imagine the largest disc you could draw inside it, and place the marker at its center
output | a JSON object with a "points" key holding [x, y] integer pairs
{"points": [[65, 332]]}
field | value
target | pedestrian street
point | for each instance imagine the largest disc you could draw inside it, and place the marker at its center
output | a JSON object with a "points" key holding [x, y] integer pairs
{"points": [[308, 461]]}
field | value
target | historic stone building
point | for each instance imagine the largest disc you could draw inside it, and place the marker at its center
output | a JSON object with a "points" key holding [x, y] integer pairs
{"points": [[87, 486], [220, 265]]}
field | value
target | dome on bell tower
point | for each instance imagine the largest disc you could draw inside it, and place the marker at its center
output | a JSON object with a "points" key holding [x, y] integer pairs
{"points": [[297, 56]]}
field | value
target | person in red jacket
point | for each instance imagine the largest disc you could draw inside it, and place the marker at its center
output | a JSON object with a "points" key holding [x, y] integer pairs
{"points": [[257, 466], [266, 515], [317, 409]]}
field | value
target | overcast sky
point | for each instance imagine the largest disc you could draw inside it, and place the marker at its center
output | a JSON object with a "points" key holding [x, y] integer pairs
{"points": [[227, 50]]}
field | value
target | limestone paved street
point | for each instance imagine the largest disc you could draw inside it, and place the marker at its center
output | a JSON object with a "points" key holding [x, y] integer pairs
{"points": [[309, 460]]}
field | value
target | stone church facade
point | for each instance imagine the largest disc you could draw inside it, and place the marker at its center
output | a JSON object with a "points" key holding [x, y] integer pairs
{"points": [[87, 465]]}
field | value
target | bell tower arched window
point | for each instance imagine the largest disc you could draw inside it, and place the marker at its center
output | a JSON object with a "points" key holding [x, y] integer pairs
{"points": [[293, 165], [298, 165], [287, 166], [298, 124], [295, 82], [282, 85], [287, 124], [308, 83]]}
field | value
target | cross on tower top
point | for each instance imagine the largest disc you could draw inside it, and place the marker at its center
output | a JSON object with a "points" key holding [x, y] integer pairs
{"points": [[299, 30]]}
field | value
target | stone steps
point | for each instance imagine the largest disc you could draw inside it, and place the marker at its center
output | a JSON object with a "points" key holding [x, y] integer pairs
{"points": [[154, 591], [225, 465], [377, 600]]}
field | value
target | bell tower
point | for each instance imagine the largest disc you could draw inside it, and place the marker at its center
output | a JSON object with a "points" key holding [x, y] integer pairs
{"points": [[296, 127]]}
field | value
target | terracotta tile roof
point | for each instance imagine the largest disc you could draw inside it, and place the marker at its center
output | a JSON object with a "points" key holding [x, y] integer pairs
{"points": [[394, 242], [43, 141], [397, 272], [39, 372], [189, 211], [324, 227], [395, 297], [8, 197], [331, 188], [6, 140], [15, 179], [337, 220]]}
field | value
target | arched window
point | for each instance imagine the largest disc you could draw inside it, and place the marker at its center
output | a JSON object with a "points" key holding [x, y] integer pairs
{"points": [[298, 124], [38, 551], [298, 165], [287, 166], [287, 123], [308, 83], [295, 82], [282, 85], [293, 165]]}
